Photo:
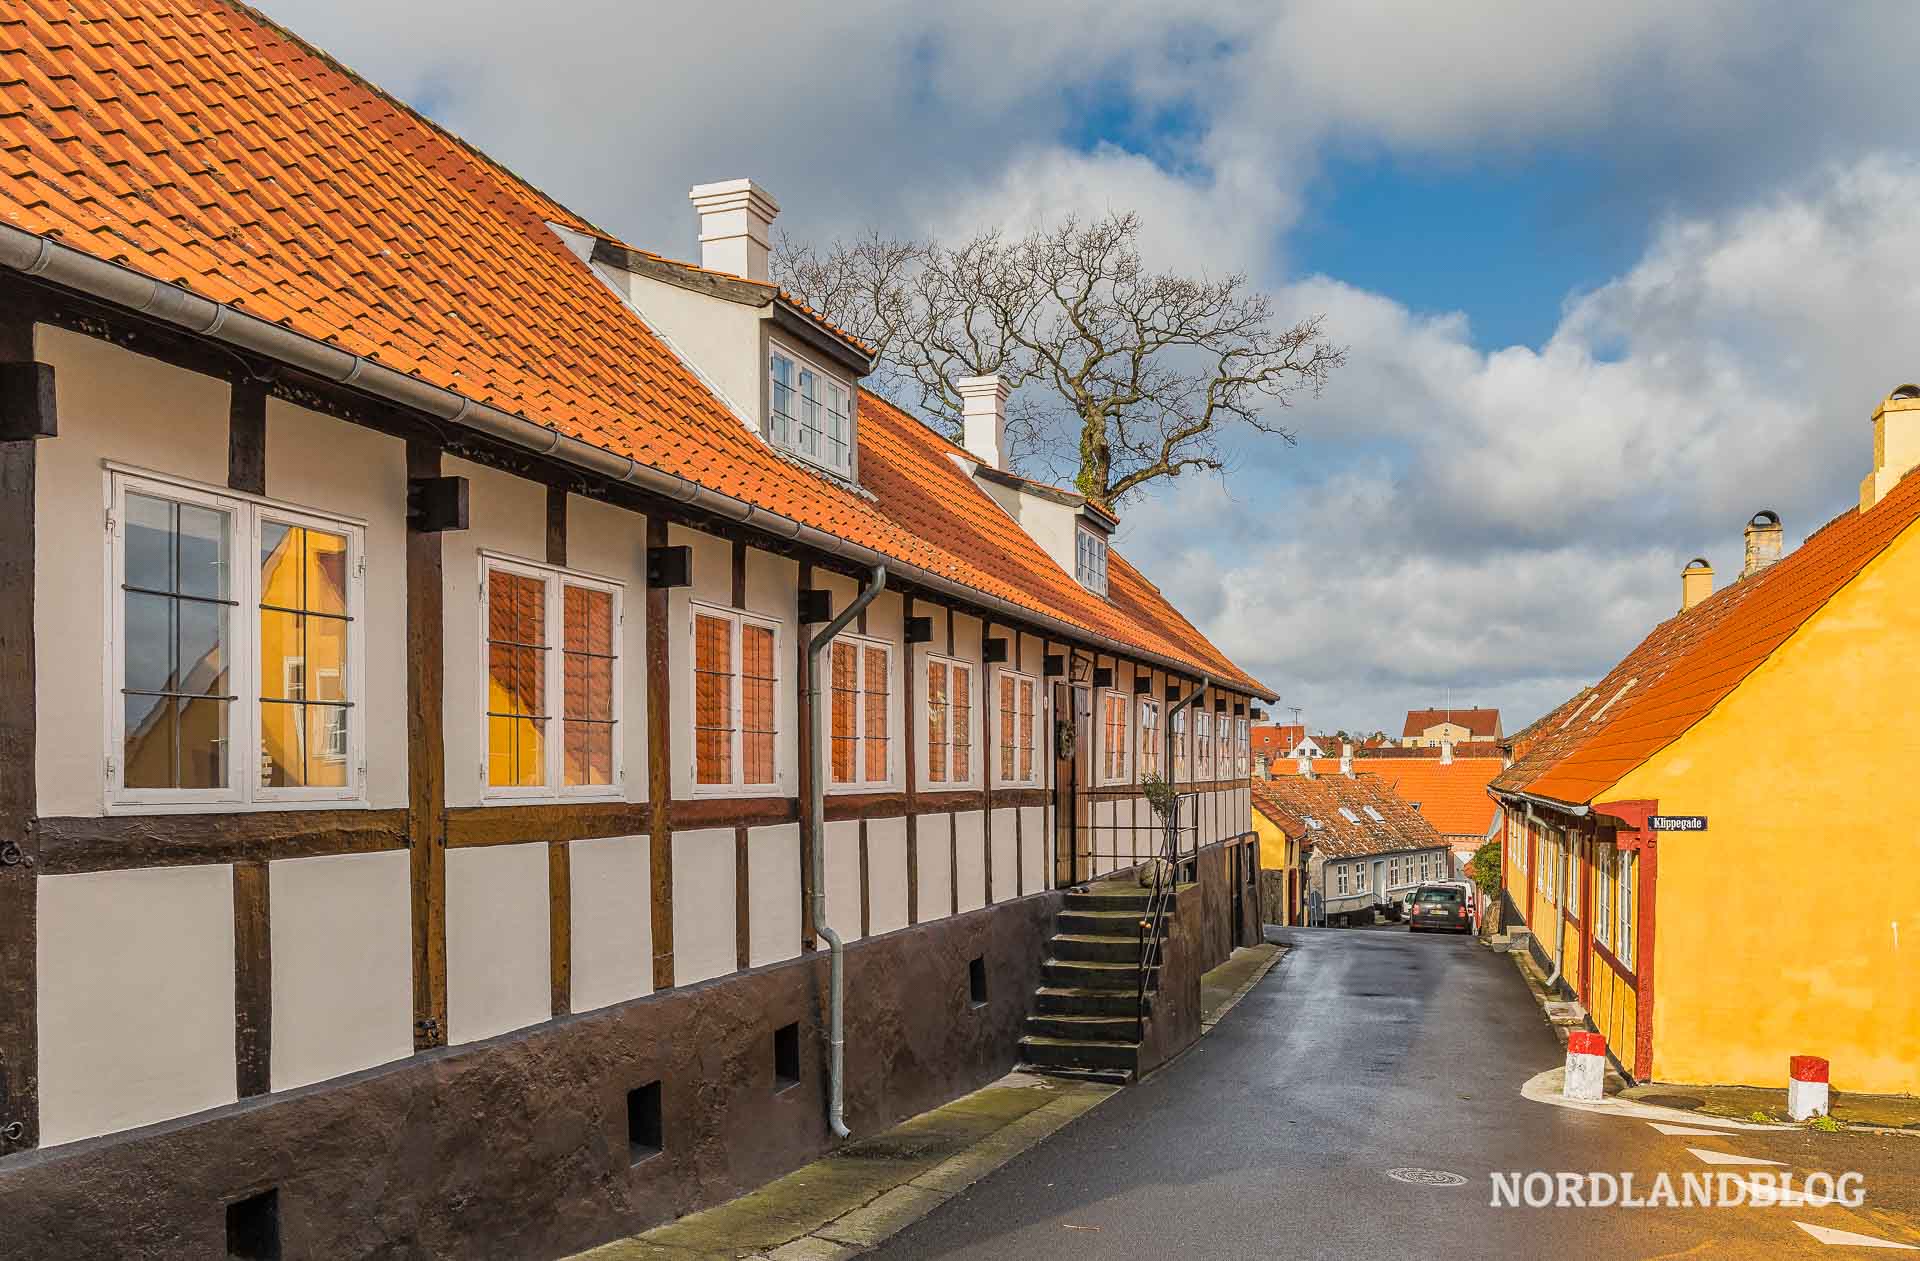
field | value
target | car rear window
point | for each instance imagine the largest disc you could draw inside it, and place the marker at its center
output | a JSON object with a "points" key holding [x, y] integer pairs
{"points": [[1437, 895]]}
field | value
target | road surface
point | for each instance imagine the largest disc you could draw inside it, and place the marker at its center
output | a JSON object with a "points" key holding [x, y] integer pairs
{"points": [[1366, 1052]]}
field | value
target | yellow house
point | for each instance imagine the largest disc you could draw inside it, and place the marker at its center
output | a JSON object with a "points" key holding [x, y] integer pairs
{"points": [[1718, 898], [1280, 833]]}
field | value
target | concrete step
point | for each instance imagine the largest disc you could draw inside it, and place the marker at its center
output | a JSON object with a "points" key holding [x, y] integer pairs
{"points": [[1105, 1076], [1110, 900], [1096, 949], [1075, 1000], [1104, 923], [1087, 974], [1078, 1053], [1105, 1028]]}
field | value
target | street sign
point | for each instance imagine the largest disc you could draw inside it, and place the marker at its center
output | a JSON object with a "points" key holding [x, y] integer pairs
{"points": [[1677, 822]]}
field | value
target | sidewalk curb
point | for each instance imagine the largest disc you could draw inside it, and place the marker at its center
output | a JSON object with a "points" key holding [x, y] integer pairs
{"points": [[1273, 961]]}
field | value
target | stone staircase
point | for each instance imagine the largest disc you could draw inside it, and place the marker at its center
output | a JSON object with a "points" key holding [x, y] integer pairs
{"points": [[1088, 1009]]}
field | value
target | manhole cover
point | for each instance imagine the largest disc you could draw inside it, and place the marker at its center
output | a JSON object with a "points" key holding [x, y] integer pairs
{"points": [[1427, 1177]]}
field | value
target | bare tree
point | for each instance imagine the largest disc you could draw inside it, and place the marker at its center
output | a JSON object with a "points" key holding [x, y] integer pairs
{"points": [[1120, 375]]}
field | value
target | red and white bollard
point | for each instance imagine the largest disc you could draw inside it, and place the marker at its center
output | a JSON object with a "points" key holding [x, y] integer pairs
{"points": [[1586, 1067], [1806, 1087]]}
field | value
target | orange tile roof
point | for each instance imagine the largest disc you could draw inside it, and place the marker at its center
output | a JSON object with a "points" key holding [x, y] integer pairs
{"points": [[1689, 662], [198, 143], [1451, 794], [1290, 800]]}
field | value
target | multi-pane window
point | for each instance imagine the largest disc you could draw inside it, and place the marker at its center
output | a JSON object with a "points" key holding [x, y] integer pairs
{"points": [[1113, 737], [736, 686], [1180, 772], [1603, 856], [1202, 744], [1360, 881], [949, 721], [862, 710], [236, 627], [1149, 748], [810, 412], [1090, 561], [553, 681], [1017, 717], [1224, 758], [1340, 879], [1575, 851], [1624, 949]]}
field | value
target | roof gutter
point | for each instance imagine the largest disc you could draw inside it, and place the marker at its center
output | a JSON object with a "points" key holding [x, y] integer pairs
{"points": [[1548, 803], [34, 255]]}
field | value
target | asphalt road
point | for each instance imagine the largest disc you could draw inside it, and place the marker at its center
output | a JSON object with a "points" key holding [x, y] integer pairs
{"points": [[1361, 1053]]}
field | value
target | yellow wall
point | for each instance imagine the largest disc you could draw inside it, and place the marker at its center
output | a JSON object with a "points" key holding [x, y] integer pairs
{"points": [[1792, 926], [1277, 853]]}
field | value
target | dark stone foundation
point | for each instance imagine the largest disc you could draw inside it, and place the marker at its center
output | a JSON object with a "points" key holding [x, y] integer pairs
{"points": [[518, 1147]]}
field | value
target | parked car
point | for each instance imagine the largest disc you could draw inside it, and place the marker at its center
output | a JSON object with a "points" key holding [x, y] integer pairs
{"points": [[1441, 908]]}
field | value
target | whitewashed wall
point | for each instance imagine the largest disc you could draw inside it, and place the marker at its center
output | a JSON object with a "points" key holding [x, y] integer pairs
{"points": [[135, 997], [705, 927], [612, 908], [773, 881], [342, 965], [933, 834], [499, 966], [887, 874]]}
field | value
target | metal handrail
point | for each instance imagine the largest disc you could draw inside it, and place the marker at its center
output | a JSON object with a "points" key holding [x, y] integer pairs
{"points": [[1164, 888]]}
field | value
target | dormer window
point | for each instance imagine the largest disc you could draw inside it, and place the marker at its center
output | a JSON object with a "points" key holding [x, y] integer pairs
{"points": [[810, 411], [1090, 561]]}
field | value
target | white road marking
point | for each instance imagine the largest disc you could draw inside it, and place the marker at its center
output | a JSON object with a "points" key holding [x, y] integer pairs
{"points": [[1846, 1238], [1729, 1158], [1688, 1129]]}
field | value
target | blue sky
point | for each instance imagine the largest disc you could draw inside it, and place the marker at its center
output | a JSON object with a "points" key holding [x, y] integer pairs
{"points": [[1611, 277]]}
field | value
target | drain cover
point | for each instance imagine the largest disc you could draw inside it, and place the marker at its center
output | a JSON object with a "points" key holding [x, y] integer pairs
{"points": [[1427, 1177]]}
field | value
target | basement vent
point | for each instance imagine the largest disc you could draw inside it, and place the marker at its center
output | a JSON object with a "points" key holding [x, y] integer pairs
{"points": [[977, 981], [253, 1227], [645, 1132], [786, 1057]]}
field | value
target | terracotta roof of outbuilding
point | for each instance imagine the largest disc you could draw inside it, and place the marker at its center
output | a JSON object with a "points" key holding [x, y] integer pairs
{"points": [[1452, 795], [1479, 722], [1687, 664], [198, 143], [1290, 800]]}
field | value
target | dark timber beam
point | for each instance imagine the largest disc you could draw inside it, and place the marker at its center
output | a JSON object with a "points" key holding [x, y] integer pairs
{"points": [[247, 437], [426, 764], [659, 776], [19, 846], [252, 980]]}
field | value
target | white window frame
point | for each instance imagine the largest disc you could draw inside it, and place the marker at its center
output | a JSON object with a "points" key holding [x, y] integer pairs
{"points": [[1127, 738], [995, 735], [1628, 876], [1202, 743], [557, 578], [1243, 748], [1575, 855], [857, 784], [832, 380], [1147, 733], [1182, 769], [1090, 551], [1603, 894], [245, 513], [737, 787], [923, 731], [1340, 878]]}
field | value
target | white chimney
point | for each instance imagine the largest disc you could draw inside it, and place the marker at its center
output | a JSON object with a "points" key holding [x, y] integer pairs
{"points": [[1446, 752], [1306, 766], [1346, 759], [734, 218], [983, 416], [1896, 444], [1765, 537], [1696, 582]]}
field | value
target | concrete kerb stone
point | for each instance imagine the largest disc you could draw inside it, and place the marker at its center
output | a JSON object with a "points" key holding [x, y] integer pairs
{"points": [[1265, 956]]}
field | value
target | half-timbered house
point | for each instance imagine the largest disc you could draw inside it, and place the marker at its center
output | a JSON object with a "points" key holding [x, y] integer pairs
{"points": [[426, 790]]}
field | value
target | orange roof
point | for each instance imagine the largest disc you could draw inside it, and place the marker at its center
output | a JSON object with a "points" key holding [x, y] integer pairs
{"points": [[1453, 795], [1689, 662], [1290, 801], [1484, 723], [199, 144]]}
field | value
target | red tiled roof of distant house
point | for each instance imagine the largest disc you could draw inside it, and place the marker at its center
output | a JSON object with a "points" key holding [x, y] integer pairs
{"points": [[1290, 801], [200, 144], [1481, 723]]}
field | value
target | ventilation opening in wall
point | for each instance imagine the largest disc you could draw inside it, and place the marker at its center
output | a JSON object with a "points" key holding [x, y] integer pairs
{"points": [[977, 981], [786, 1057], [253, 1227], [644, 1132]]}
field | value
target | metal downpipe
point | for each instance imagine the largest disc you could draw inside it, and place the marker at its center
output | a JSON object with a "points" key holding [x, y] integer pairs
{"points": [[837, 1041]]}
